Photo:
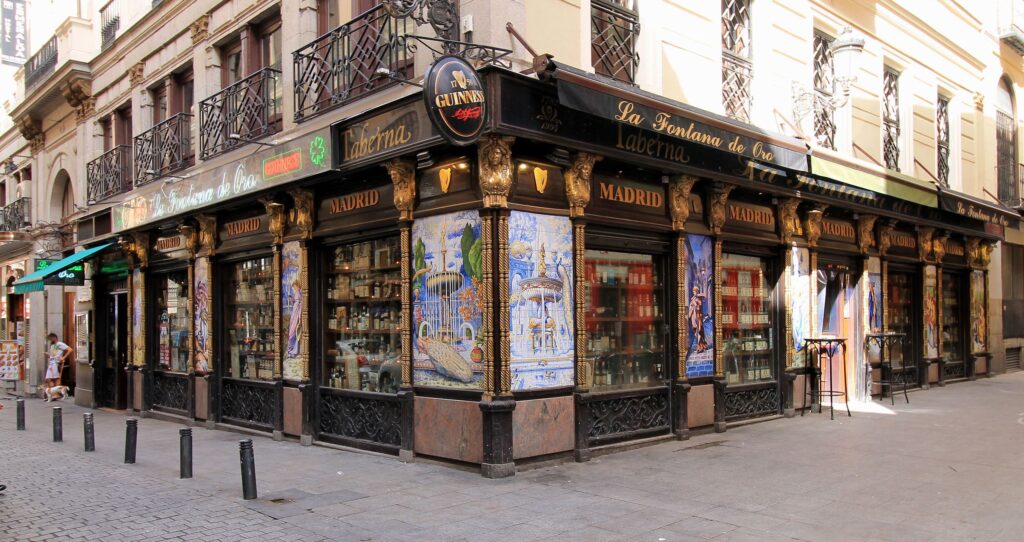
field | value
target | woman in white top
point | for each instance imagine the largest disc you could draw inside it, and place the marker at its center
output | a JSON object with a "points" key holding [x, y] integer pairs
{"points": [[56, 355]]}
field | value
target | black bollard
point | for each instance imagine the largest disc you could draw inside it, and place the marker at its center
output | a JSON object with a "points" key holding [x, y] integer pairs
{"points": [[130, 437], [90, 437], [248, 469], [186, 452], [21, 414], [58, 425]]}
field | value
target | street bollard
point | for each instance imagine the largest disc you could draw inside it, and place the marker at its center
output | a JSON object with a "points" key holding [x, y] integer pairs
{"points": [[248, 469], [90, 437], [21, 414], [130, 437], [186, 452], [58, 425]]}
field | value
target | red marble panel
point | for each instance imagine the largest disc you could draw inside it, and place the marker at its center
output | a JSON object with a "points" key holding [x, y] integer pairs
{"points": [[292, 411], [450, 429], [542, 426], [202, 399], [137, 379], [700, 406], [933, 373]]}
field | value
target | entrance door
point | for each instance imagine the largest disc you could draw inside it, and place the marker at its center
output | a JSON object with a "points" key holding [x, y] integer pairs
{"points": [[839, 316], [112, 351]]}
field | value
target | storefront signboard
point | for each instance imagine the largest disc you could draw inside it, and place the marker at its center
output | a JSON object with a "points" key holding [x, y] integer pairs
{"points": [[455, 100], [300, 157], [10, 360], [384, 134], [15, 32], [902, 242], [700, 306], [73, 275], [612, 195], [838, 230], [244, 227], [747, 216], [984, 211]]}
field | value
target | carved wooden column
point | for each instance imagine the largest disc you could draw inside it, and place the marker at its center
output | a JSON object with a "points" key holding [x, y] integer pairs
{"points": [[717, 198], [203, 340], [925, 235], [865, 241], [938, 252], [403, 177], [496, 176], [979, 255], [301, 219], [679, 205], [136, 245], [275, 214], [191, 238]]}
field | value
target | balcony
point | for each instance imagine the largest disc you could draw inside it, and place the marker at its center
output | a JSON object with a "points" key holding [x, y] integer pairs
{"points": [[15, 216], [163, 149], [366, 54], [110, 174], [110, 23], [614, 28], [1011, 23], [41, 64], [244, 111]]}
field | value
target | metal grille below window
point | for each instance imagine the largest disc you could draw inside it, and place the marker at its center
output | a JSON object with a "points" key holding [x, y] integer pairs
{"points": [[1006, 158], [891, 119], [736, 67], [942, 139], [824, 89], [614, 28]]}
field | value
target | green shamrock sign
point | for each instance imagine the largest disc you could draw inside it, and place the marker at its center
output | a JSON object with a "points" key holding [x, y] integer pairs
{"points": [[317, 151]]}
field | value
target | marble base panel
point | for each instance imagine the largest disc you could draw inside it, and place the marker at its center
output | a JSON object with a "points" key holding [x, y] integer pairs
{"points": [[700, 405], [449, 428], [542, 427], [980, 366], [292, 411], [137, 378], [202, 398], [799, 397], [933, 373]]}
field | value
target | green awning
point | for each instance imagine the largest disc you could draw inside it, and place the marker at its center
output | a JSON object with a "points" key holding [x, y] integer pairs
{"points": [[34, 282], [893, 184]]}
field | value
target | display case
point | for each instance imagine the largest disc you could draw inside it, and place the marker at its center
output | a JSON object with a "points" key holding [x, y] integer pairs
{"points": [[172, 321], [625, 319], [747, 335], [363, 315], [952, 319], [249, 310], [901, 309]]}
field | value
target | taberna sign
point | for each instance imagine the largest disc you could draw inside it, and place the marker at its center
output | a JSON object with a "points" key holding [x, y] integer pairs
{"points": [[455, 99]]}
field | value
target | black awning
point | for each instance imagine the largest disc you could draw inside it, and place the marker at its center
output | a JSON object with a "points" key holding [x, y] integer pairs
{"points": [[978, 209], [636, 108]]}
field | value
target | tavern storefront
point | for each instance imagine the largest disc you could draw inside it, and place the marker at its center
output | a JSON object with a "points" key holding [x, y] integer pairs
{"points": [[525, 269]]}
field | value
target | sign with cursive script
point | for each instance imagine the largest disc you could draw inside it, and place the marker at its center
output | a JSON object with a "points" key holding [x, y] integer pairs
{"points": [[384, 134], [455, 100], [285, 162], [72, 275], [991, 213]]}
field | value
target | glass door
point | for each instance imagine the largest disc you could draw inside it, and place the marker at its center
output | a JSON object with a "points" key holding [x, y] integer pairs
{"points": [[839, 316], [953, 336], [901, 289]]}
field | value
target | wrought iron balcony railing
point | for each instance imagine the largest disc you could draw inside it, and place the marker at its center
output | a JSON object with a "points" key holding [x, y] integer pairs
{"points": [[15, 215], [41, 64], [614, 28], [364, 55], [164, 148], [109, 174], [110, 23], [246, 110]]}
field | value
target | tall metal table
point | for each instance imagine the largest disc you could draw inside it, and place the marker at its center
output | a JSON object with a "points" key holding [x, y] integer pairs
{"points": [[826, 347], [885, 343]]}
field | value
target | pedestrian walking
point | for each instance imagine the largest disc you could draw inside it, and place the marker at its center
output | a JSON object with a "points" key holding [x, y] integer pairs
{"points": [[56, 354]]}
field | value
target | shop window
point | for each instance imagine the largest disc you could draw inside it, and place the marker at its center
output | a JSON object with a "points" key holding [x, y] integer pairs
{"points": [[249, 310], [901, 313], [891, 118], [326, 16], [746, 320], [172, 319], [362, 338], [834, 299], [1013, 290], [952, 317], [625, 319]]}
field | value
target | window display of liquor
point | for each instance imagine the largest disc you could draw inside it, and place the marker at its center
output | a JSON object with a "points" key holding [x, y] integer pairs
{"points": [[625, 318], [747, 338], [363, 316], [172, 320], [249, 308], [901, 310], [952, 312]]}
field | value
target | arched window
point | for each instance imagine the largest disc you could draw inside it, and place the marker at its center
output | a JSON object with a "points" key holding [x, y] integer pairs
{"points": [[67, 204], [1006, 145]]}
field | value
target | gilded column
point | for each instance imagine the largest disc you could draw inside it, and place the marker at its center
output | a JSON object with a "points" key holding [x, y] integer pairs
{"points": [[679, 205], [717, 199], [577, 191], [403, 177], [504, 340], [188, 234], [487, 278], [275, 213]]}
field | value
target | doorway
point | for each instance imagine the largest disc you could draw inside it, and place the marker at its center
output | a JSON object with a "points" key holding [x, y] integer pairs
{"points": [[839, 316], [112, 350]]}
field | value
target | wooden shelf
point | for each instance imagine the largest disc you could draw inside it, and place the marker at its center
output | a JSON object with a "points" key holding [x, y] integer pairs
{"points": [[342, 271], [363, 331], [366, 299], [642, 319]]}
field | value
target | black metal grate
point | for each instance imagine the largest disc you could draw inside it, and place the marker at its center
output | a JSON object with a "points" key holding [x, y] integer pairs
{"points": [[1006, 159], [363, 416], [1013, 359], [164, 148], [15, 215], [109, 174], [736, 67], [110, 23], [41, 64], [891, 119], [942, 139], [250, 109], [614, 28], [249, 403], [824, 90], [170, 391], [752, 402]]}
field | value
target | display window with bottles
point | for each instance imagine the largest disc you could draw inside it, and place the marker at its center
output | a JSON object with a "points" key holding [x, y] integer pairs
{"points": [[900, 291], [746, 320], [625, 319], [172, 321], [249, 311], [362, 315], [952, 317]]}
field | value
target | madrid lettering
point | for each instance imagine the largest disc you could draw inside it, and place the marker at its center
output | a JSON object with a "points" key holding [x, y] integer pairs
{"points": [[240, 227], [355, 201], [630, 195], [838, 229], [750, 215]]}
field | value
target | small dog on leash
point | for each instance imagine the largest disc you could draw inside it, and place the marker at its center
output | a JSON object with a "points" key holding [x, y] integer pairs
{"points": [[55, 393]]}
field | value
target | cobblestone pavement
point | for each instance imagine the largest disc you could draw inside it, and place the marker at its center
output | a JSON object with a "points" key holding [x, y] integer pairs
{"points": [[948, 466]]}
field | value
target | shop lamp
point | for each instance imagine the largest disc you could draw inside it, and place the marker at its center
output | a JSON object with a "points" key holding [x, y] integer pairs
{"points": [[846, 50]]}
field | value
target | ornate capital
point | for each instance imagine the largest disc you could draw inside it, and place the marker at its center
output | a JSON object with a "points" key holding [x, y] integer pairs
{"points": [[207, 234], [789, 222], [85, 110], [135, 74], [301, 214], [924, 242], [577, 182], [885, 236], [866, 232], [939, 246], [495, 157], [403, 176], [32, 130], [717, 198], [679, 200], [979, 101], [141, 247], [979, 253], [985, 255], [200, 29], [275, 213], [191, 237], [813, 223]]}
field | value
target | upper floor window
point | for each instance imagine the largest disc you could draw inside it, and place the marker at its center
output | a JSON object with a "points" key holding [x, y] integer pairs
{"points": [[231, 69], [824, 89], [1006, 146], [326, 16], [173, 95], [614, 27], [891, 118], [942, 139], [736, 67]]}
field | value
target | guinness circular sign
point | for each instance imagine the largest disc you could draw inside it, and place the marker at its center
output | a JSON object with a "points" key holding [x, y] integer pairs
{"points": [[456, 102]]}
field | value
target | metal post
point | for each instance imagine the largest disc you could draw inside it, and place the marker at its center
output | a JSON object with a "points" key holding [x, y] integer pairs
{"points": [[248, 469], [131, 436], [58, 425], [186, 452], [90, 437], [21, 414]]}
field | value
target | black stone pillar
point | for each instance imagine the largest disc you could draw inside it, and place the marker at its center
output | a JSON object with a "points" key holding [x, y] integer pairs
{"points": [[306, 391], [720, 425], [498, 438], [582, 452], [129, 389], [681, 394], [942, 372], [408, 401], [278, 433], [191, 398], [789, 391]]}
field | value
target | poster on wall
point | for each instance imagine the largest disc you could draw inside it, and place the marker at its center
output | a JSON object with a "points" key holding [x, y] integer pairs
{"points": [[800, 308], [82, 352], [700, 310], [979, 322], [138, 337], [540, 301], [447, 307], [931, 314], [203, 354], [10, 360], [874, 295], [291, 310]]}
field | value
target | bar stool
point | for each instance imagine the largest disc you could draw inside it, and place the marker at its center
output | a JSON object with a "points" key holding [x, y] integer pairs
{"points": [[885, 343], [824, 347]]}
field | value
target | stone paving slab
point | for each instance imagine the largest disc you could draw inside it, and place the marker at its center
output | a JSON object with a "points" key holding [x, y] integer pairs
{"points": [[948, 466]]}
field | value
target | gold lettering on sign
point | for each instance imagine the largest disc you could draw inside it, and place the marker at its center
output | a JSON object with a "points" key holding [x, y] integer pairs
{"points": [[954, 249], [751, 215], [838, 229], [351, 202], [360, 141], [904, 241], [240, 227], [630, 195], [168, 243]]}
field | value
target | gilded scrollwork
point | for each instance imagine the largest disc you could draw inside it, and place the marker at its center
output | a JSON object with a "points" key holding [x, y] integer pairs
{"points": [[301, 214], [495, 161], [403, 176], [971, 249], [141, 249], [679, 200], [717, 199], [577, 182], [985, 254], [865, 232]]}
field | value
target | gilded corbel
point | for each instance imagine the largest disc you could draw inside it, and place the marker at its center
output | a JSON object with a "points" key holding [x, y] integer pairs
{"points": [[679, 199], [789, 222], [865, 232], [275, 213], [924, 242], [812, 229], [885, 236], [495, 161], [207, 234], [577, 182], [717, 199], [301, 214], [403, 176]]}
